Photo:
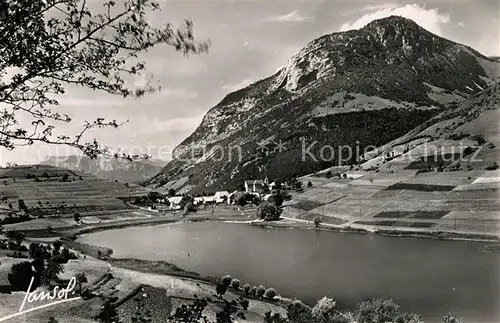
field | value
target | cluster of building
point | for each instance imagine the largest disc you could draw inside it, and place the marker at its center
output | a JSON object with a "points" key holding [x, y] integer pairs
{"points": [[260, 188]]}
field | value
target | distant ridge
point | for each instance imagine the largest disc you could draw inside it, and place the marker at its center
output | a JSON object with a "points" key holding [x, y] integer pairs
{"points": [[110, 167]]}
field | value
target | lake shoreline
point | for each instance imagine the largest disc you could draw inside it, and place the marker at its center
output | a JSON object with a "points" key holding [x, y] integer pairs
{"points": [[435, 235], [286, 224]]}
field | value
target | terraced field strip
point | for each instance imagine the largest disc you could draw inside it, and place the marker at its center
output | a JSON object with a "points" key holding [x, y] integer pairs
{"points": [[421, 187], [478, 187], [473, 215], [336, 185], [310, 216], [388, 223], [307, 205], [469, 225], [423, 215], [445, 178]]}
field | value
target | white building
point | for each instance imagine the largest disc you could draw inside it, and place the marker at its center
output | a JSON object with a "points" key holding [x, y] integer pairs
{"points": [[256, 186], [222, 197]]}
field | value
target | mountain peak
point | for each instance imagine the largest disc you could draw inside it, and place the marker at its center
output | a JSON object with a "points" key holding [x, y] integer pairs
{"points": [[393, 20]]}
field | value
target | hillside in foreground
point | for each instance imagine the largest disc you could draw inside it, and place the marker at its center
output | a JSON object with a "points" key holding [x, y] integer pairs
{"points": [[57, 194], [361, 87]]}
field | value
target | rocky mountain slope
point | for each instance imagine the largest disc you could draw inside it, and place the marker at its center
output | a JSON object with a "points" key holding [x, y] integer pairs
{"points": [[109, 167], [357, 88]]}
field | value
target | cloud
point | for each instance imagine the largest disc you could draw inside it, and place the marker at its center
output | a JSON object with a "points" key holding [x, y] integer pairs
{"points": [[238, 86], [429, 19], [293, 16]]}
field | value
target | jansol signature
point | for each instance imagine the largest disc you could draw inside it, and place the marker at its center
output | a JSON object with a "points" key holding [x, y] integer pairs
{"points": [[57, 295]]}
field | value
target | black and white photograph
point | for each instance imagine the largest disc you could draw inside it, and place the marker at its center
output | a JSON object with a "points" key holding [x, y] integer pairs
{"points": [[249, 161]]}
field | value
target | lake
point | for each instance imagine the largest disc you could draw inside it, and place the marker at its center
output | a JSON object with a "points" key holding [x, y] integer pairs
{"points": [[429, 277]]}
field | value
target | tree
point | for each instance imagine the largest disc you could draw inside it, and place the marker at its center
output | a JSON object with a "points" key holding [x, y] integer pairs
{"points": [[377, 310], [224, 316], [10, 206], [409, 318], [108, 313], [76, 217], [317, 221], [260, 291], [22, 205], [185, 200], [309, 184], [74, 43], [17, 236], [253, 291], [190, 314], [270, 294], [20, 276], [324, 309], [171, 192], [329, 174], [52, 270], [451, 318], [154, 196], [226, 280], [57, 245], [244, 304], [235, 283], [298, 312], [221, 289], [53, 320], [268, 212], [81, 279], [246, 289]]}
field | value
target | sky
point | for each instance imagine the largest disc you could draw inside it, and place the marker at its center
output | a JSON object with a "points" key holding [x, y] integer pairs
{"points": [[250, 40]]}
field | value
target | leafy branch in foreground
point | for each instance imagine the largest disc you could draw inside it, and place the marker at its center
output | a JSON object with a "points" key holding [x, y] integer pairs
{"points": [[48, 45]]}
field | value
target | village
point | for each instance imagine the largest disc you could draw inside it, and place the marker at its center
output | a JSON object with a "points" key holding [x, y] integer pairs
{"points": [[254, 193]]}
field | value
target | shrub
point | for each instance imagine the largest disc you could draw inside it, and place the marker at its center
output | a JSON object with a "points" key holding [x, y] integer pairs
{"points": [[329, 174], [309, 184], [260, 291], [235, 283], [270, 294], [246, 289], [493, 166], [268, 212], [226, 280]]}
